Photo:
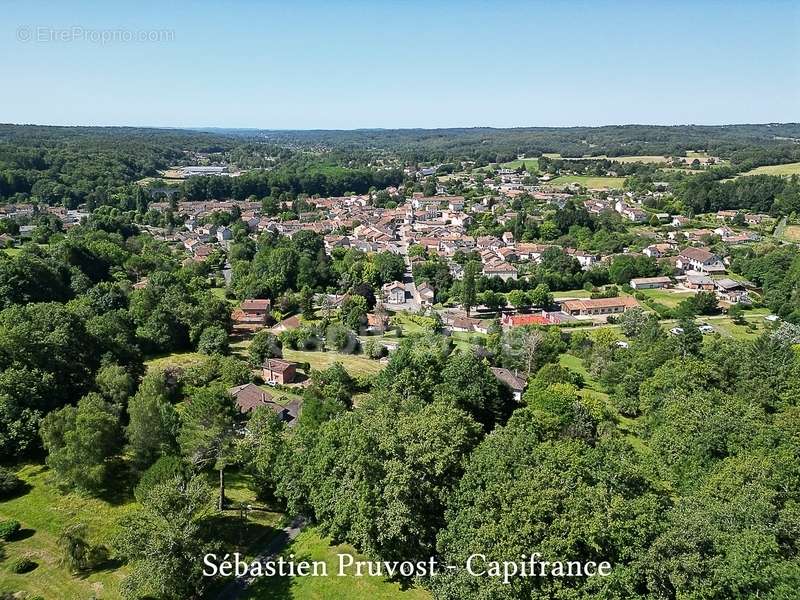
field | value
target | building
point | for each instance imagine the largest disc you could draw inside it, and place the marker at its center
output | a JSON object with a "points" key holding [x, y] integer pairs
{"points": [[426, 293], [395, 292], [598, 306], [292, 322], [731, 290], [249, 397], [278, 371], [699, 259], [510, 321], [650, 283], [514, 382], [503, 270], [251, 315], [698, 281]]}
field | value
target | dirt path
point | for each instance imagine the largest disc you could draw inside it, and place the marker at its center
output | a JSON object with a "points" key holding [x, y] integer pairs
{"points": [[234, 589]]}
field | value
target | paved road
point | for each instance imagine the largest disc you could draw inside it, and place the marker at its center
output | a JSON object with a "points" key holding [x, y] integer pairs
{"points": [[234, 589]]}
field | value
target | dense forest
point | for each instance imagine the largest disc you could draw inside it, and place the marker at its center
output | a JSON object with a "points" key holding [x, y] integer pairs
{"points": [[739, 142]]}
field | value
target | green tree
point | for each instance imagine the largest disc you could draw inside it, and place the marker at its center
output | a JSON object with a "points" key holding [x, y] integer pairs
{"points": [[259, 448], [468, 286], [79, 441], [468, 383], [165, 540], [213, 340], [153, 421], [540, 296], [207, 426], [263, 346]]}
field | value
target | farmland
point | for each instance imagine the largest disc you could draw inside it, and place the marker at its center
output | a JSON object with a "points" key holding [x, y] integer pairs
{"points": [[786, 169], [588, 181]]}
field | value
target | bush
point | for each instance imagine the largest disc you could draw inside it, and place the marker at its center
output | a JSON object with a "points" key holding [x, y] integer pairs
{"points": [[8, 529], [77, 554], [166, 468], [23, 565], [213, 340], [10, 484]]}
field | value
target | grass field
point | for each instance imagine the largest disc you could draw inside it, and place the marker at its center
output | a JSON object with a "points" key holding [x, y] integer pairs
{"points": [[309, 545], [355, 364], [43, 512], [571, 294], [532, 164], [666, 297], [787, 169], [792, 233], [589, 182], [180, 359]]}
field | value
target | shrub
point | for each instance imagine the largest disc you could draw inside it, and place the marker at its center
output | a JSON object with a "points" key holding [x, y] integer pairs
{"points": [[166, 468], [9, 529], [213, 340], [77, 554], [10, 484], [23, 565]]}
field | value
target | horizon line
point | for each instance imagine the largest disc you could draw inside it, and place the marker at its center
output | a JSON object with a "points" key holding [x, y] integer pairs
{"points": [[356, 129]]}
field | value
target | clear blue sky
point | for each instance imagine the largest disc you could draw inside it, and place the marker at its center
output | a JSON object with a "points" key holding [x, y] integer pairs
{"points": [[353, 64]]}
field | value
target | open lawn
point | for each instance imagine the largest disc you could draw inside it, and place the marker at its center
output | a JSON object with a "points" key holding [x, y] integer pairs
{"points": [[787, 169], [180, 359], [44, 511], [310, 546], [532, 164], [791, 233], [668, 298], [588, 182], [355, 364], [571, 294]]}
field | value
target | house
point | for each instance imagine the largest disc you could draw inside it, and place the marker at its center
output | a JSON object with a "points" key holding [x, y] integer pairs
{"points": [[251, 315], [650, 283], [598, 306], [426, 293], [699, 259], [224, 234], [292, 322], [657, 250], [679, 221], [278, 371], [395, 292], [249, 397], [515, 383], [6, 240], [501, 269], [731, 290], [511, 321], [468, 325], [698, 281], [377, 322]]}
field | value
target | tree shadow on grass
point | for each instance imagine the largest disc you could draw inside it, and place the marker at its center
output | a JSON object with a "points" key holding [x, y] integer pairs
{"points": [[22, 534], [277, 587]]}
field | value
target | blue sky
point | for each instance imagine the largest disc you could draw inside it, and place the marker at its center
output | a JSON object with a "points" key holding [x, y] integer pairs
{"points": [[354, 64]]}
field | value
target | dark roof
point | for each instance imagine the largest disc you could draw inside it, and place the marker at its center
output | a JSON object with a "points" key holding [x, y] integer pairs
{"points": [[249, 397], [505, 376], [279, 366]]}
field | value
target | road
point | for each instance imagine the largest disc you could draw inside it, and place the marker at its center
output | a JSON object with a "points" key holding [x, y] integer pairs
{"points": [[234, 589]]}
